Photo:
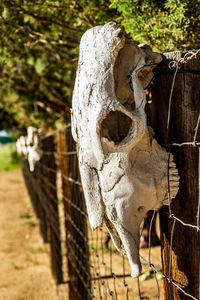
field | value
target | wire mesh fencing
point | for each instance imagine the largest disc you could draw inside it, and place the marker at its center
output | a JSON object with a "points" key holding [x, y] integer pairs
{"points": [[177, 128], [81, 258], [86, 261]]}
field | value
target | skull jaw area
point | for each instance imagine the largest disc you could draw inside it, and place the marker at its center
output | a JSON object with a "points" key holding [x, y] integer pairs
{"points": [[131, 184], [130, 242], [126, 243], [125, 207]]}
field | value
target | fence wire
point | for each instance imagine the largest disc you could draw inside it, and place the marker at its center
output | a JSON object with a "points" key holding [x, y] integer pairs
{"points": [[80, 258], [176, 65]]}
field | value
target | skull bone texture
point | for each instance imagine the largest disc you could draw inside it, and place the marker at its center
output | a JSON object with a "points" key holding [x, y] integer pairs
{"points": [[34, 152], [22, 146], [123, 169]]}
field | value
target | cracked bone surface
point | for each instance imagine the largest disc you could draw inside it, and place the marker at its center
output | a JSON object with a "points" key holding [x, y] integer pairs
{"points": [[123, 169]]}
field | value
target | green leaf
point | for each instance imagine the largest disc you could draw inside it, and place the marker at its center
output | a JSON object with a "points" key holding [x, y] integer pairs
{"points": [[145, 276], [39, 66]]}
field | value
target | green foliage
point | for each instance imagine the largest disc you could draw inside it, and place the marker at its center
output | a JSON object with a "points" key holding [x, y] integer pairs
{"points": [[39, 51], [25, 215], [36, 249], [60, 200], [30, 223], [166, 25], [15, 266], [151, 275], [39, 48], [9, 158]]}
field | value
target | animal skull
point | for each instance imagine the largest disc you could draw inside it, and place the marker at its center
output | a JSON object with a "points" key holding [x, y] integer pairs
{"points": [[18, 146], [123, 169], [22, 146], [33, 147]]}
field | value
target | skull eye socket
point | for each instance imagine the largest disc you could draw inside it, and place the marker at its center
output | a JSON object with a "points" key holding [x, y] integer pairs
{"points": [[116, 127]]}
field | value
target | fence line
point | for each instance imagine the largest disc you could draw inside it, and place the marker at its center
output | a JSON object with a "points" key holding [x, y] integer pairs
{"points": [[95, 275], [176, 65], [92, 266], [78, 255]]}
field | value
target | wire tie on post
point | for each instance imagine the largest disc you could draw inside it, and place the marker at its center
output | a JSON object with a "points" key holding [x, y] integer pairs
{"points": [[170, 280]]}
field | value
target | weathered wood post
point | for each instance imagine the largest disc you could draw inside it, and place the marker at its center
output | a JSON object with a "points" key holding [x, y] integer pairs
{"points": [[180, 242], [75, 219], [42, 213], [30, 184], [50, 193], [33, 185], [66, 195]]}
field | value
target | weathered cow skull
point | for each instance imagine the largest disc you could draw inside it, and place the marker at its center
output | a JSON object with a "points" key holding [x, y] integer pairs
{"points": [[22, 146], [33, 147], [18, 146], [123, 169]]}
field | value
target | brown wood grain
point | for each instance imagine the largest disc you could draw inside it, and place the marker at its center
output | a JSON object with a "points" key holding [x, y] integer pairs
{"points": [[184, 112], [66, 191], [50, 192], [75, 220]]}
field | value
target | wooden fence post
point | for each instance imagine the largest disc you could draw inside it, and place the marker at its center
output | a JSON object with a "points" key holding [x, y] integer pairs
{"points": [[32, 184], [49, 175], [42, 213], [180, 243], [75, 219]]}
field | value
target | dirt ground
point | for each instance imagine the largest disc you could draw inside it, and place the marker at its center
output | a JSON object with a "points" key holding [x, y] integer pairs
{"points": [[24, 264], [24, 261]]}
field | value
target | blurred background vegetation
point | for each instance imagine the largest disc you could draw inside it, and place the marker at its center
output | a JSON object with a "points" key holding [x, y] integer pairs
{"points": [[9, 158], [39, 42]]}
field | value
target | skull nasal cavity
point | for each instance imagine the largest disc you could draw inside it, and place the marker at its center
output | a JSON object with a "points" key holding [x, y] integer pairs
{"points": [[115, 127]]}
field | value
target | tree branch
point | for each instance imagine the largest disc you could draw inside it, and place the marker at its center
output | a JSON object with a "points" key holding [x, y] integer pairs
{"points": [[34, 35], [41, 18], [60, 108]]}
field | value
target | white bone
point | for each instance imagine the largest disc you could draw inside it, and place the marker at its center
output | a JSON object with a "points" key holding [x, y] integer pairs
{"points": [[123, 169], [22, 146], [34, 155], [34, 152], [32, 136], [18, 146]]}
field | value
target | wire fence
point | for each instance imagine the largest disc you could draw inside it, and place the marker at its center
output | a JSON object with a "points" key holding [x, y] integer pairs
{"points": [[183, 64], [81, 259], [84, 260]]}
